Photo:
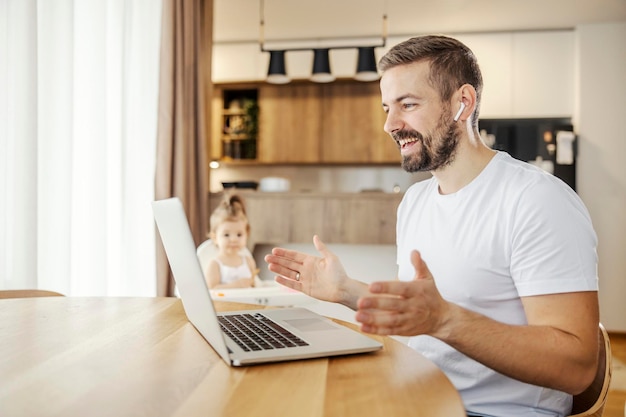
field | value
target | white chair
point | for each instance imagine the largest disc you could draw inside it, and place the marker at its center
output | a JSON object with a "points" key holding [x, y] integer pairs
{"points": [[207, 251]]}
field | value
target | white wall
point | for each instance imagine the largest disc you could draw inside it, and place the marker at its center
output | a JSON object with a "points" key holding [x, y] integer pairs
{"points": [[601, 169]]}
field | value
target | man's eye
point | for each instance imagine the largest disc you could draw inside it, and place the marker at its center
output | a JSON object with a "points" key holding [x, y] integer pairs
{"points": [[408, 105]]}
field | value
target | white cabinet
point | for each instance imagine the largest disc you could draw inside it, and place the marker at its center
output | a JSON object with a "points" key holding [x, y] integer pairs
{"points": [[494, 54], [525, 74], [543, 74]]}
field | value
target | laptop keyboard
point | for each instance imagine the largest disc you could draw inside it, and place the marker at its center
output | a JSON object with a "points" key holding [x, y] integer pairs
{"points": [[256, 332]]}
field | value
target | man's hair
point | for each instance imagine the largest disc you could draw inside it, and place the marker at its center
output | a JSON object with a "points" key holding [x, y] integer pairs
{"points": [[231, 209], [452, 64]]}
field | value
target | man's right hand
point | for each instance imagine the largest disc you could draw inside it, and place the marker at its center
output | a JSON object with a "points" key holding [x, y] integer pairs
{"points": [[322, 277]]}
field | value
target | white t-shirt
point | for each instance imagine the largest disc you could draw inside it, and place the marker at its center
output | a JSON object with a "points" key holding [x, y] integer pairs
{"points": [[230, 274], [514, 231]]}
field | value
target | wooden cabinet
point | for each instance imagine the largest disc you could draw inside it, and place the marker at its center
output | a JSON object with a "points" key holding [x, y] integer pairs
{"points": [[352, 125], [365, 218], [234, 124], [290, 120], [308, 123], [362, 218]]}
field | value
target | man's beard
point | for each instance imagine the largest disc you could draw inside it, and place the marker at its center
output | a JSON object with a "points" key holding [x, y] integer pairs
{"points": [[437, 150]]}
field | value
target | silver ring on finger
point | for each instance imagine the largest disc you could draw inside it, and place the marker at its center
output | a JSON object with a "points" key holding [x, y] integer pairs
{"points": [[297, 276]]}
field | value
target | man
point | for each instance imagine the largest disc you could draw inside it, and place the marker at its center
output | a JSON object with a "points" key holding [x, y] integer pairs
{"points": [[497, 261]]}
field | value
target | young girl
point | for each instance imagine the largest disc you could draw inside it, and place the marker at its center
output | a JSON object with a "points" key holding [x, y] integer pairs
{"points": [[233, 267]]}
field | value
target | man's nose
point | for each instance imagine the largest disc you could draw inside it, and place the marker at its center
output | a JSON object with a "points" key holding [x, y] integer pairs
{"points": [[393, 122]]}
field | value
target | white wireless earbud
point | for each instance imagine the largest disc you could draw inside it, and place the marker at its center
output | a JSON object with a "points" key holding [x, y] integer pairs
{"points": [[458, 114]]}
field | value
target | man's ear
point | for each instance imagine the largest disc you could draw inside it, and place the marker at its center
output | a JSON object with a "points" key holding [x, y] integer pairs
{"points": [[467, 96]]}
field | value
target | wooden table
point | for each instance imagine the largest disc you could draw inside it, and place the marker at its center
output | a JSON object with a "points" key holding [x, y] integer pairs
{"points": [[75, 356]]}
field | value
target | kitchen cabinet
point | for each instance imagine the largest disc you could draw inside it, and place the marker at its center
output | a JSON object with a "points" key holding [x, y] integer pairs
{"points": [[363, 218], [352, 125], [543, 74], [525, 74], [234, 123], [494, 54], [308, 123], [290, 123], [240, 125]]}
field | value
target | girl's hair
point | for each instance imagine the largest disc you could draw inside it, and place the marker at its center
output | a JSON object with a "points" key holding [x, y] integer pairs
{"points": [[231, 209], [452, 64]]}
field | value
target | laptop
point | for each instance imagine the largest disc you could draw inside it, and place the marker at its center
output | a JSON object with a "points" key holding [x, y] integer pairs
{"points": [[290, 333]]}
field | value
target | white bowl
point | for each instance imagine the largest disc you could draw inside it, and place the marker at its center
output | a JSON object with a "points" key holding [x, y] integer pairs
{"points": [[274, 184]]}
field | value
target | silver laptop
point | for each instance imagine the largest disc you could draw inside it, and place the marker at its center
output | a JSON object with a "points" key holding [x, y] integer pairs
{"points": [[285, 334]]}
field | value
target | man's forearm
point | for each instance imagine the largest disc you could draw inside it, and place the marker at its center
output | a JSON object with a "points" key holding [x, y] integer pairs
{"points": [[537, 354]]}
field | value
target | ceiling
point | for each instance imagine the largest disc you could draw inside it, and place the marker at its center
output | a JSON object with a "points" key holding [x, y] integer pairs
{"points": [[287, 20]]}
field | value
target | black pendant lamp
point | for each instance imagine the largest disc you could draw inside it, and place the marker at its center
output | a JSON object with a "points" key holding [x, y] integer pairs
{"points": [[366, 65], [321, 67], [276, 73]]}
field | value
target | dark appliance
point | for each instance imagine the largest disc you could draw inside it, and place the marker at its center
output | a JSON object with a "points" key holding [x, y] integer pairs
{"points": [[528, 139]]}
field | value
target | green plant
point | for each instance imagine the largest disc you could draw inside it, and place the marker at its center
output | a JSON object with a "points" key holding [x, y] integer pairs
{"points": [[251, 109]]}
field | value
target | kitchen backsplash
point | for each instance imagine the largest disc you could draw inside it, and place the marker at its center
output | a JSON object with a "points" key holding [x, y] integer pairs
{"points": [[321, 179]]}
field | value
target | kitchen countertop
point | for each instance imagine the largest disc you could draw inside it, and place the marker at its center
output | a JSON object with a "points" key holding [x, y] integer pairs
{"points": [[365, 193]]}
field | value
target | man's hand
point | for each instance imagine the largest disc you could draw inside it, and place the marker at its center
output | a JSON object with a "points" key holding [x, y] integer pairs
{"points": [[322, 277], [403, 308], [566, 324]]}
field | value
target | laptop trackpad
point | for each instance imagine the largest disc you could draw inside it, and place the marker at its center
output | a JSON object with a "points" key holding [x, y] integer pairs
{"points": [[307, 325]]}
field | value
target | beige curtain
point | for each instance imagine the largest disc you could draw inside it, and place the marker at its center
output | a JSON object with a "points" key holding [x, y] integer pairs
{"points": [[184, 85]]}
